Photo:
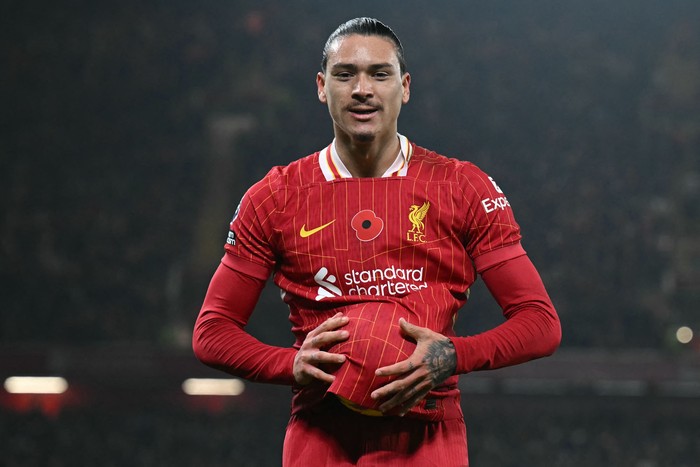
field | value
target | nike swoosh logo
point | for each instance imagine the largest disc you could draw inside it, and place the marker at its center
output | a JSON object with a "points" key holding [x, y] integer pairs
{"points": [[307, 233]]}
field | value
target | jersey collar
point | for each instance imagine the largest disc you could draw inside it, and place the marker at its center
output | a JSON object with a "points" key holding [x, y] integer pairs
{"points": [[333, 168]]}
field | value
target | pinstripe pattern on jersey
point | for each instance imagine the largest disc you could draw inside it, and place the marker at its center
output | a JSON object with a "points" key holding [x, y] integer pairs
{"points": [[427, 274], [457, 228]]}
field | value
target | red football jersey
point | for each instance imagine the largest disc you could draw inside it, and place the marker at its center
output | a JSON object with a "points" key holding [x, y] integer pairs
{"points": [[411, 242]]}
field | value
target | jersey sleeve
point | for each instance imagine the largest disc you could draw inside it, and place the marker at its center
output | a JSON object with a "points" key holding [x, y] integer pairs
{"points": [[531, 330], [249, 246], [493, 235], [220, 340]]}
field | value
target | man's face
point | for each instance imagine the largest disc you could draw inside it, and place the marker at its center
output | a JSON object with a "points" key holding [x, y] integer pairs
{"points": [[363, 87]]}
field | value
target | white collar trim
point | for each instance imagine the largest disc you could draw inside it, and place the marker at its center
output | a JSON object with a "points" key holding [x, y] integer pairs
{"points": [[332, 166]]}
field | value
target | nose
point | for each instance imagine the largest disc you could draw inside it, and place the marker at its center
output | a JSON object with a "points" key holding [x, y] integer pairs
{"points": [[363, 87]]}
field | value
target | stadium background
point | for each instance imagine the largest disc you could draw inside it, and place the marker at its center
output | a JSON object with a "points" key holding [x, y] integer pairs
{"points": [[129, 131]]}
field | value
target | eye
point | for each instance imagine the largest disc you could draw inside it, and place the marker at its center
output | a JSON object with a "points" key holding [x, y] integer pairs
{"points": [[343, 75], [381, 75]]}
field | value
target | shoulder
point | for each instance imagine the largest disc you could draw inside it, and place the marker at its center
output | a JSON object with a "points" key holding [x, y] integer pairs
{"points": [[471, 182], [428, 163], [301, 172]]}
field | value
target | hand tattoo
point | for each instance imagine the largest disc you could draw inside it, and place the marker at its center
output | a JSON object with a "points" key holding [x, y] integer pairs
{"points": [[441, 359]]}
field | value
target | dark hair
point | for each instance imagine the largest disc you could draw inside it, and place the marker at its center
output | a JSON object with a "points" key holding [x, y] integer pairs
{"points": [[364, 27]]}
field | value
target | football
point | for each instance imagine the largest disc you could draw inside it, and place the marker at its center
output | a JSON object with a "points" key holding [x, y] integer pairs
{"points": [[375, 341]]}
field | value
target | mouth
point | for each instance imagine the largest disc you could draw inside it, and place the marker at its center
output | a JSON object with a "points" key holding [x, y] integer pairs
{"points": [[363, 112]]}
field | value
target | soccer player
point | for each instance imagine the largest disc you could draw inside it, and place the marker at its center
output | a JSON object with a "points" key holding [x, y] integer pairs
{"points": [[374, 242]]}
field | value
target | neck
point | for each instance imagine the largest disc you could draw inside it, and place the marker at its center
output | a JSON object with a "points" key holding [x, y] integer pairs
{"points": [[368, 159]]}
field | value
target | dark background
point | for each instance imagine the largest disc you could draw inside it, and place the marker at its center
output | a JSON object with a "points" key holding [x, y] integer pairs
{"points": [[130, 130]]}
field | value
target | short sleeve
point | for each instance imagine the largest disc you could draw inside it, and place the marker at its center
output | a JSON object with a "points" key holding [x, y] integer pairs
{"points": [[493, 235], [249, 246]]}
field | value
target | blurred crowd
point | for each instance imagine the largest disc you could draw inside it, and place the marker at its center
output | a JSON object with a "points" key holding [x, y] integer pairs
{"points": [[513, 432], [129, 132], [117, 121]]}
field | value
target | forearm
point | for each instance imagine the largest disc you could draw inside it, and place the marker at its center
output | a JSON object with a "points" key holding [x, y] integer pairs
{"points": [[220, 340], [531, 330], [529, 335], [221, 344]]}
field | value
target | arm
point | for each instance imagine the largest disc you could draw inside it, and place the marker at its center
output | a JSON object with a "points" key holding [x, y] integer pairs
{"points": [[220, 340], [531, 330]]}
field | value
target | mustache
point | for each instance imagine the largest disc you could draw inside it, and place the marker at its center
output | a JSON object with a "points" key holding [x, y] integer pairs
{"points": [[363, 106]]}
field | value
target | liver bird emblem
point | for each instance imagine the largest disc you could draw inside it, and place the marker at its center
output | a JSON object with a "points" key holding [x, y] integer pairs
{"points": [[417, 215]]}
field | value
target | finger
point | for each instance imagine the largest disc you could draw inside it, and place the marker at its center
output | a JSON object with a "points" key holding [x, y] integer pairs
{"points": [[386, 391], [398, 368], [334, 322], [326, 338], [320, 357], [310, 357], [406, 399], [318, 374], [405, 407], [395, 387], [307, 366], [411, 329]]}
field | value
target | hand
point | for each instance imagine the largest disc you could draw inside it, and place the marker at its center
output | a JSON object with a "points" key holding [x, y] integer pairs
{"points": [[310, 357], [432, 362]]}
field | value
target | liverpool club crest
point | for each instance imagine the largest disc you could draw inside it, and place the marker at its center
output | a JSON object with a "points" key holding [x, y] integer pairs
{"points": [[417, 217]]}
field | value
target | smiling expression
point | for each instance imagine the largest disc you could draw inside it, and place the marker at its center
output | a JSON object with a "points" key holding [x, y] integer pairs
{"points": [[363, 88]]}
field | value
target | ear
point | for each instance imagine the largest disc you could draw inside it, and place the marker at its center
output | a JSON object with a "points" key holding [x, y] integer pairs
{"points": [[321, 87], [406, 83]]}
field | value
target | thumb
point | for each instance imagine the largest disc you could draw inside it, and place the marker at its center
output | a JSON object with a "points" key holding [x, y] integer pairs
{"points": [[410, 329]]}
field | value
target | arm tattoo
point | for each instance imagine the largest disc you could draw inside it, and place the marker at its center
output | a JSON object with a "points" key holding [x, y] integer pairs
{"points": [[441, 360]]}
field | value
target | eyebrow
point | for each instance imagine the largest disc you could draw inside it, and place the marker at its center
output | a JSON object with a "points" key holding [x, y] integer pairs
{"points": [[353, 67]]}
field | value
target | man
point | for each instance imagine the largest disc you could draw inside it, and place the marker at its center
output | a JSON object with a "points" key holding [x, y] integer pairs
{"points": [[374, 242]]}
